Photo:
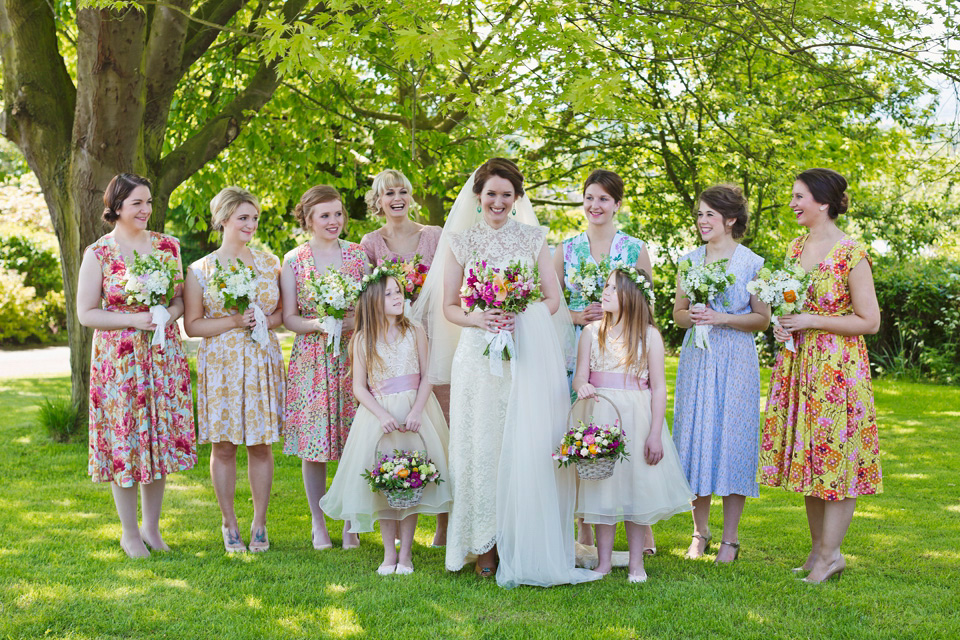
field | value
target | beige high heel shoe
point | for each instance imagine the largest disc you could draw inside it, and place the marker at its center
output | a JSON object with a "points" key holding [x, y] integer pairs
{"points": [[706, 546]]}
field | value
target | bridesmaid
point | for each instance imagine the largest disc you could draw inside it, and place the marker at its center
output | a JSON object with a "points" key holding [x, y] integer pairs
{"points": [[239, 382], [602, 197], [820, 434], [716, 405], [141, 409], [402, 238], [320, 404]]}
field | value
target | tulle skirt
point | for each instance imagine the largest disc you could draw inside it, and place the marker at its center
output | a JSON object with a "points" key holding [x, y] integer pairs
{"points": [[350, 497]]}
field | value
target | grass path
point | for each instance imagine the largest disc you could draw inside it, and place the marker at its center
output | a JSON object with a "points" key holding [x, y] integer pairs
{"points": [[62, 573]]}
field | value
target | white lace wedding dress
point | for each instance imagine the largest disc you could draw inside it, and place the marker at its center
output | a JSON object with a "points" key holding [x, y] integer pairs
{"points": [[507, 490]]}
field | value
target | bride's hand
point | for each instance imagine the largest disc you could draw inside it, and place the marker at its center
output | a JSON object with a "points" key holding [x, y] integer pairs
{"points": [[586, 390], [494, 320]]}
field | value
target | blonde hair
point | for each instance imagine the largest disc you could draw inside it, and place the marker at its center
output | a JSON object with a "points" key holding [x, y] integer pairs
{"points": [[637, 316], [226, 202], [372, 324], [386, 179], [313, 196]]}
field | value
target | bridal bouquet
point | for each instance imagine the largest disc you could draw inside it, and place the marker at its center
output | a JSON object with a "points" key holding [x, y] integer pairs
{"points": [[236, 286], [401, 476], [785, 290], [334, 294], [152, 281], [411, 274], [510, 289], [592, 445], [703, 283], [590, 278]]}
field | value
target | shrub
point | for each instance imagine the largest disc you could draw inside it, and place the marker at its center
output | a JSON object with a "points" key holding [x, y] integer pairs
{"points": [[60, 419], [40, 266], [24, 317]]}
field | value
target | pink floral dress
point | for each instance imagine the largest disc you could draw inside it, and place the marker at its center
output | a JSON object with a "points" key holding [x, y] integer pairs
{"points": [[320, 404], [141, 408], [820, 433]]}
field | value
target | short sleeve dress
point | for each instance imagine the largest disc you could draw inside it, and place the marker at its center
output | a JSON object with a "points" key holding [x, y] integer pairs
{"points": [[820, 433], [320, 404], [141, 408], [377, 250], [240, 385]]}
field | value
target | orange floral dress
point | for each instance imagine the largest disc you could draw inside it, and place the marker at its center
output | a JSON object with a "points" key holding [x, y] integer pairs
{"points": [[141, 408], [820, 432]]}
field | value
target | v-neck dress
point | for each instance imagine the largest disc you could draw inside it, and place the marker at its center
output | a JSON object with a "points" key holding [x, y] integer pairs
{"points": [[820, 433], [320, 404]]}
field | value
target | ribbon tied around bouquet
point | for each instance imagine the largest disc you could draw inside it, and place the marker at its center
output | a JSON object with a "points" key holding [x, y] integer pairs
{"points": [[500, 347], [160, 317], [333, 327]]}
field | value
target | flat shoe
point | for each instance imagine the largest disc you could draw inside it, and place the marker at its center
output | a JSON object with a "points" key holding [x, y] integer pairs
{"points": [[403, 571], [259, 541], [650, 551], [484, 572], [386, 570], [319, 547], [642, 577], [232, 543]]}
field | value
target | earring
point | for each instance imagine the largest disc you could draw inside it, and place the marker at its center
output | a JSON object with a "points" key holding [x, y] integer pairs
{"points": [[823, 207], [478, 209], [514, 212]]}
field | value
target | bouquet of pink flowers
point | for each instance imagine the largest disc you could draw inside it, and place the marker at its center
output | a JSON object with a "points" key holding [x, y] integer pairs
{"points": [[594, 448], [509, 289], [401, 476], [411, 274]]}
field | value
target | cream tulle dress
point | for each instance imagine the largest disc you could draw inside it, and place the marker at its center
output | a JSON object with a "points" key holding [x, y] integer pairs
{"points": [[395, 387], [636, 492]]}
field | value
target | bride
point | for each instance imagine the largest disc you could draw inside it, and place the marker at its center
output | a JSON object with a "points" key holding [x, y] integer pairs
{"points": [[512, 508]]}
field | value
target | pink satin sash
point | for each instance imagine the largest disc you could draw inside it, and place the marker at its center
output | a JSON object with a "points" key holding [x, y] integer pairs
{"points": [[410, 382], [618, 381]]}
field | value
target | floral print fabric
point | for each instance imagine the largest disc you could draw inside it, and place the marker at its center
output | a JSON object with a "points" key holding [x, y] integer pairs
{"points": [[141, 408], [577, 249], [820, 433]]}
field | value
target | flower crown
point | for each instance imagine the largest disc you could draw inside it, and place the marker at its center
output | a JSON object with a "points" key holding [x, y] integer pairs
{"points": [[385, 270], [638, 278]]}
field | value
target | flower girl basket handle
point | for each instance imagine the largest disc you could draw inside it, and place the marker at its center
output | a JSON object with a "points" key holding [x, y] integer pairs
{"points": [[599, 396], [376, 449]]}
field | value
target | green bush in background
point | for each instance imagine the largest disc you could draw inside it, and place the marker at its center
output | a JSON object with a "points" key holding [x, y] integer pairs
{"points": [[27, 317], [39, 265]]}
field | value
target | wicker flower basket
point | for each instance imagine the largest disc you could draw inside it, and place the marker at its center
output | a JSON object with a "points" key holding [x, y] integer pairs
{"points": [[401, 498], [597, 468]]}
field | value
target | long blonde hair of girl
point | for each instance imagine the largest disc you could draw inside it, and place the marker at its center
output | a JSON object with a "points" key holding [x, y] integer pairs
{"points": [[636, 316], [372, 323]]}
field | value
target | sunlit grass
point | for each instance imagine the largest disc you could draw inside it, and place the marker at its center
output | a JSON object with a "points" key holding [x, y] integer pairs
{"points": [[62, 573]]}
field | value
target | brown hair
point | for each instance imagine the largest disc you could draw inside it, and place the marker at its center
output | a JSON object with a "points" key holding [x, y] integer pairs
{"points": [[386, 179], [501, 168], [727, 200], [311, 197], [827, 187], [372, 323], [119, 189], [608, 180], [226, 202], [637, 316]]}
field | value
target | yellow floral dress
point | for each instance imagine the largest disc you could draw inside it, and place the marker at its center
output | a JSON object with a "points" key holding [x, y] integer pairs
{"points": [[820, 432], [240, 385]]}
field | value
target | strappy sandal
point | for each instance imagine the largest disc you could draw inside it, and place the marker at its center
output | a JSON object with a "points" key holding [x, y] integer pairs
{"points": [[484, 572], [706, 546], [736, 552]]}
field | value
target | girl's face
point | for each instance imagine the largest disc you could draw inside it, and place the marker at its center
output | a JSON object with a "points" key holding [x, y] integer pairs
{"points": [[609, 300], [242, 224], [711, 224], [326, 220], [808, 210], [135, 210], [598, 205], [497, 200], [395, 202], [392, 298]]}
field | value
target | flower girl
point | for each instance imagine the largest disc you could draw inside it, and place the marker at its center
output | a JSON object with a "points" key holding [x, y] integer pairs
{"points": [[622, 359], [396, 404]]}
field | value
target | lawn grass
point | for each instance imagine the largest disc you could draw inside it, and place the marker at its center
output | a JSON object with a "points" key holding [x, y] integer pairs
{"points": [[62, 573]]}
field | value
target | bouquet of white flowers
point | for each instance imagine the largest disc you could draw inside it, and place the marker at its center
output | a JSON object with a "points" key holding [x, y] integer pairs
{"points": [[785, 290], [236, 285], [589, 279], [702, 283], [152, 281], [334, 294]]}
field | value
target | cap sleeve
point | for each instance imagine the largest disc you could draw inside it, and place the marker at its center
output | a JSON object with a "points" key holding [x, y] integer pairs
{"points": [[858, 251], [458, 245]]}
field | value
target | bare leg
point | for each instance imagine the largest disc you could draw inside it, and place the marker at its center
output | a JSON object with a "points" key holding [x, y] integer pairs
{"points": [[408, 526], [635, 537], [836, 520], [125, 498], [151, 494], [388, 533], [488, 560], [223, 472], [814, 508], [605, 536], [350, 540], [649, 542], [732, 510], [701, 527], [260, 475], [315, 485], [584, 532], [440, 535]]}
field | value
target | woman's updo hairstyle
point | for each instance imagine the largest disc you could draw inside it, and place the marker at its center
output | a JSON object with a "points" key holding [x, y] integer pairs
{"points": [[226, 202], [501, 168], [119, 189], [728, 200], [311, 197], [386, 179], [608, 180], [827, 187]]}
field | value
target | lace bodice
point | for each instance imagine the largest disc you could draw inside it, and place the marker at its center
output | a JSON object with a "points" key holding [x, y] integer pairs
{"points": [[399, 359], [498, 247], [611, 359]]}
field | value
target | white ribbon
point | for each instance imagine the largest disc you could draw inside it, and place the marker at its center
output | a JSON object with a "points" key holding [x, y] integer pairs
{"points": [[700, 331], [333, 327], [497, 343], [407, 309], [260, 333], [789, 344], [160, 317]]}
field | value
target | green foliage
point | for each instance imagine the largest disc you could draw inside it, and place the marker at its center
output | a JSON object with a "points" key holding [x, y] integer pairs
{"points": [[39, 265], [60, 419], [25, 317]]}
